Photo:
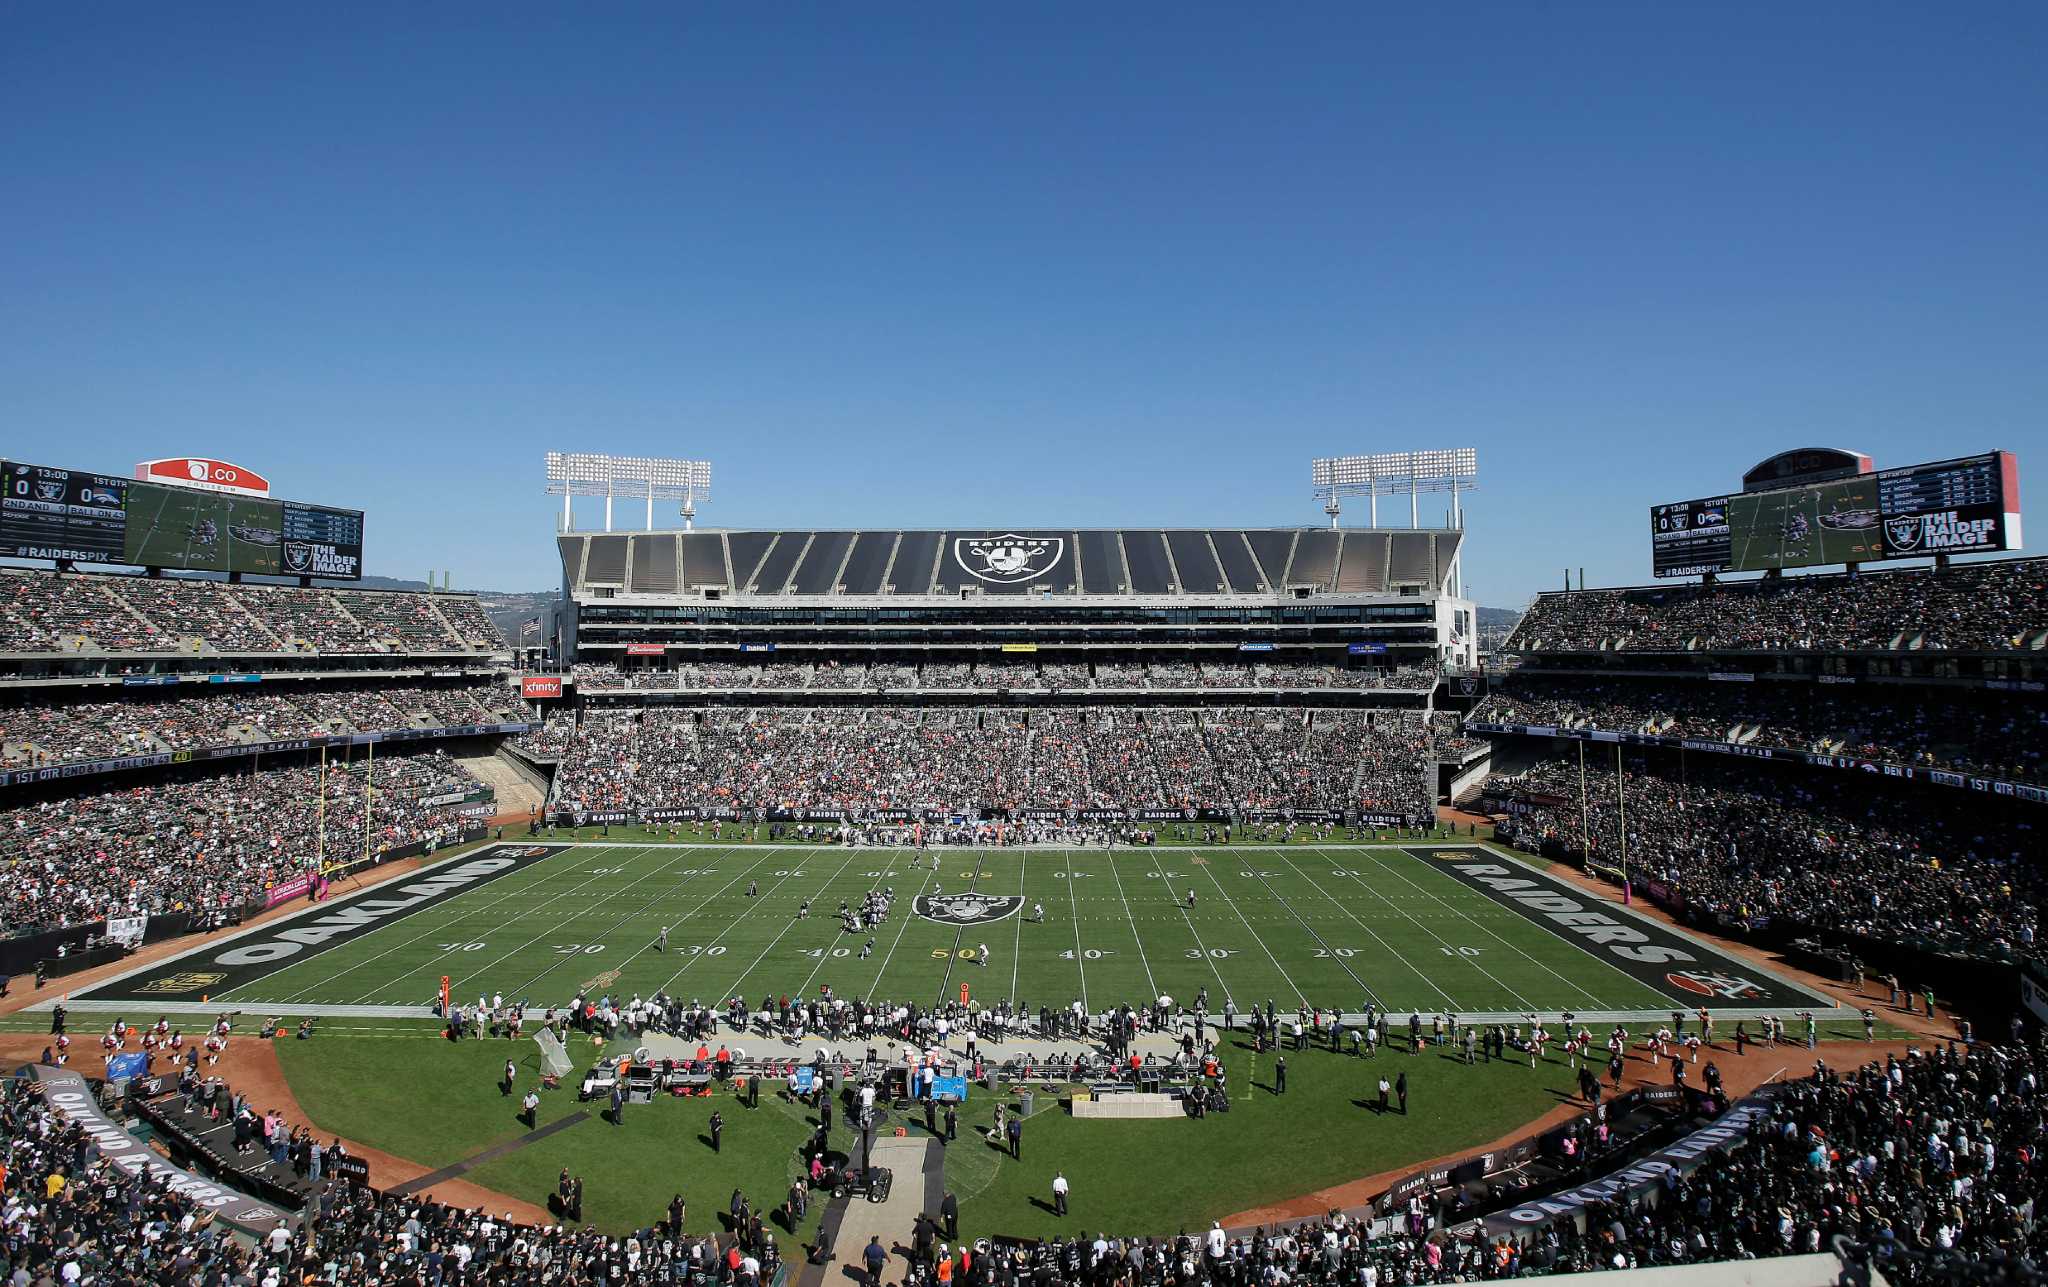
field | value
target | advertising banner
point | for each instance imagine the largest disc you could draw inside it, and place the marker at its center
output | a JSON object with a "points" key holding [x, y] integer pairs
{"points": [[540, 686], [68, 1094]]}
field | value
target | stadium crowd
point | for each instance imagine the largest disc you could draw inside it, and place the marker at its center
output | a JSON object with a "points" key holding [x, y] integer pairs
{"points": [[861, 758], [1926, 1168], [43, 612], [1838, 853], [32, 736], [1961, 732], [999, 676], [1992, 607], [207, 845]]}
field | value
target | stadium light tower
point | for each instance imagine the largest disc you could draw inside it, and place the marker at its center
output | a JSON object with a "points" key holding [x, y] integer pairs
{"points": [[580, 473], [1389, 473]]}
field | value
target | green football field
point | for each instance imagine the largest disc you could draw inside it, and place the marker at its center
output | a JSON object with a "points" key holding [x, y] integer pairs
{"points": [[1330, 927]]}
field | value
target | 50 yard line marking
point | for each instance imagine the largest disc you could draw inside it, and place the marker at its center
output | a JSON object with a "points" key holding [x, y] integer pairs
{"points": [[980, 860]]}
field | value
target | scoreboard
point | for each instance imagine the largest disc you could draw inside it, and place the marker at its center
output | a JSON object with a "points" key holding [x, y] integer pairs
{"points": [[49, 513], [1965, 506]]}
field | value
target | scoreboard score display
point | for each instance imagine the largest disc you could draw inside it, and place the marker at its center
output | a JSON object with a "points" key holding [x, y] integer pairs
{"points": [[1964, 506], [48, 513]]}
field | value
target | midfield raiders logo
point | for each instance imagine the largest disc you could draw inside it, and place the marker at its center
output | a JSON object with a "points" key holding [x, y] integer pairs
{"points": [[1009, 558], [966, 909]]}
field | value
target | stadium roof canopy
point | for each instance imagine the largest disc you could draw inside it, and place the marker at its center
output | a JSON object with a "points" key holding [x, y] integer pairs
{"points": [[898, 564]]}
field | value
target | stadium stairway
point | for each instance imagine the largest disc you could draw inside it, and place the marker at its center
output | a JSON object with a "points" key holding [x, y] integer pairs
{"points": [[517, 788]]}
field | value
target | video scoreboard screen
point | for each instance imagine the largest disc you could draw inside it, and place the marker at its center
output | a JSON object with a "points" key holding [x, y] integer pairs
{"points": [[48, 513], [1964, 506]]}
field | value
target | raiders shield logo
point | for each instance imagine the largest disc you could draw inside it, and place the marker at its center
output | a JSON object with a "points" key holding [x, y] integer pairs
{"points": [[298, 556], [1009, 558], [1903, 533], [966, 909]]}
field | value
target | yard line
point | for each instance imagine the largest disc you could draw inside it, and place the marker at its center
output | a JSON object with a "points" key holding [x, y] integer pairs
{"points": [[788, 925], [1299, 995], [910, 914], [758, 902], [744, 872], [1342, 964], [1433, 985], [881, 875], [1150, 982], [551, 929], [1593, 1002], [440, 927], [958, 934], [1159, 869], [1075, 906], [1442, 942], [1017, 950]]}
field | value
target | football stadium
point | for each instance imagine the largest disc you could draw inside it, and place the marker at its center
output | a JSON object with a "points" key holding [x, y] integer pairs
{"points": [[1022, 828], [805, 892]]}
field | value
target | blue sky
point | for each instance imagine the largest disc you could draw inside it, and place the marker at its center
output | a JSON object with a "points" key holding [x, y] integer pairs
{"points": [[1027, 264]]}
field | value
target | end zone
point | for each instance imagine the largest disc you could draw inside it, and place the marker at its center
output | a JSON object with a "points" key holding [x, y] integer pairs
{"points": [[230, 963], [1693, 973]]}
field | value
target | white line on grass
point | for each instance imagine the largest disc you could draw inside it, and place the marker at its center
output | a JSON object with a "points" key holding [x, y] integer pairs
{"points": [[684, 919], [1017, 950], [1596, 1004], [1412, 919], [758, 903], [546, 931], [1150, 982], [443, 926], [1075, 905], [825, 953], [1160, 869], [787, 925], [1592, 1001], [910, 914], [1449, 1001], [1299, 995]]}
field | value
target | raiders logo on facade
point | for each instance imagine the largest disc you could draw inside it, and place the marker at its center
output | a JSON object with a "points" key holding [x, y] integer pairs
{"points": [[966, 909], [1009, 558], [1903, 532]]}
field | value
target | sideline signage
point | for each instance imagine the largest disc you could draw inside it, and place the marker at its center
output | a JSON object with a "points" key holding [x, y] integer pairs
{"points": [[68, 1093]]}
